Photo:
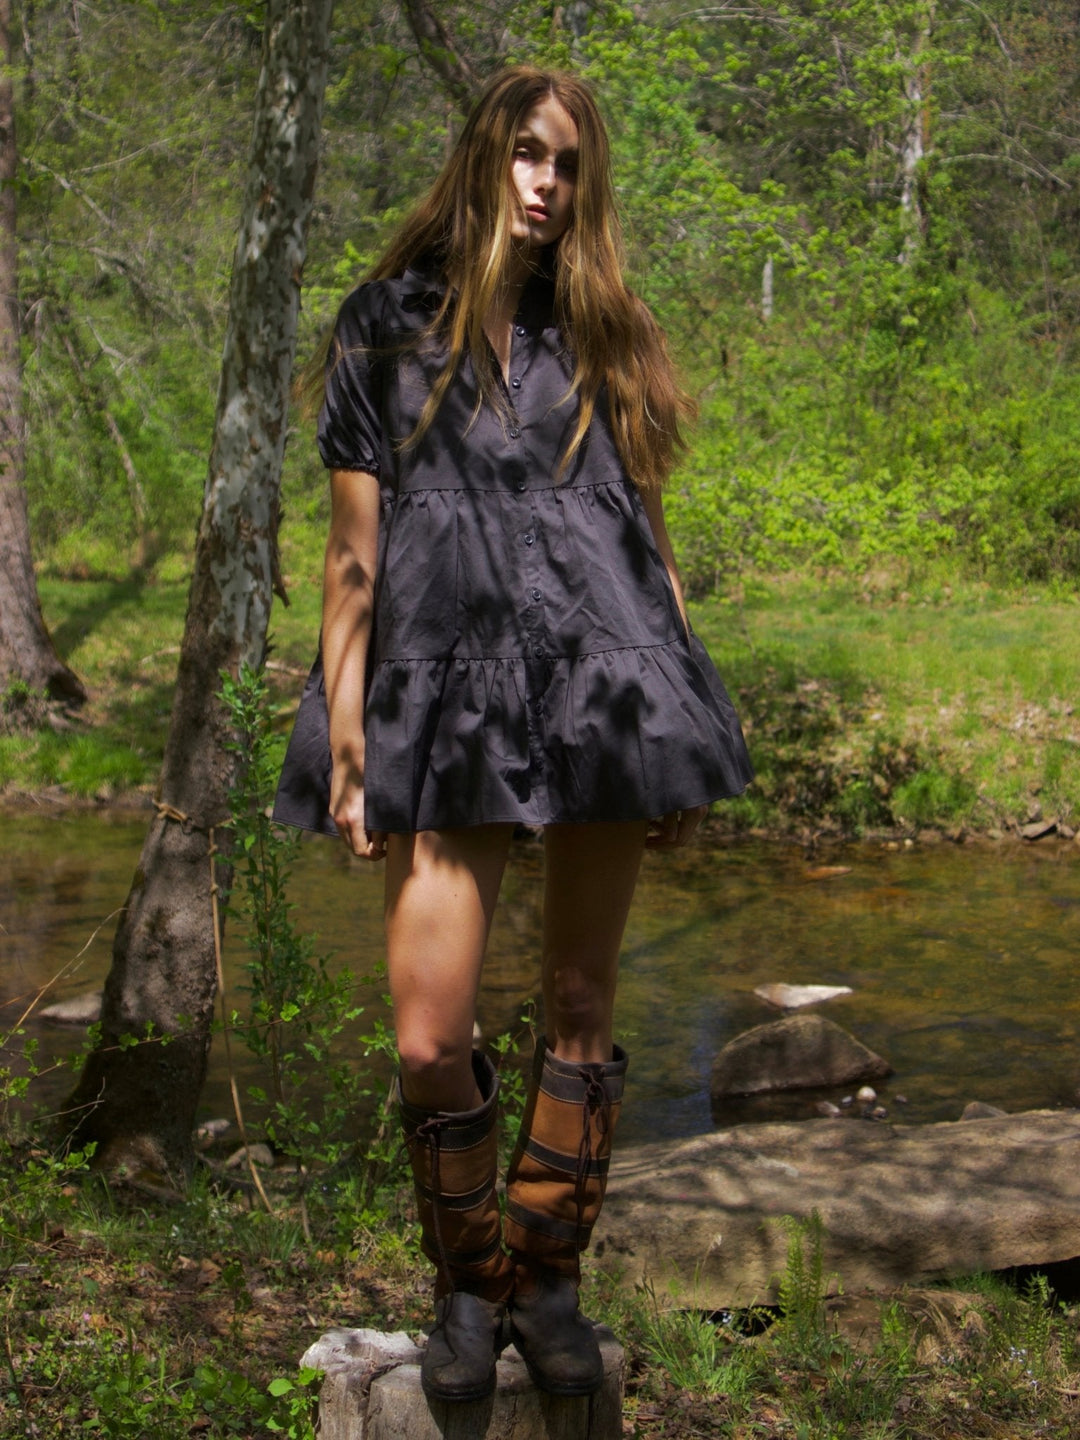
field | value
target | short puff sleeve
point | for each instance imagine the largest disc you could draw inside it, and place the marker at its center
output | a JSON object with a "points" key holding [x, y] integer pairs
{"points": [[350, 422]]}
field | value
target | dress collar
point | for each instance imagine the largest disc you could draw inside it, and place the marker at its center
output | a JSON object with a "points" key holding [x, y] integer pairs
{"points": [[536, 309]]}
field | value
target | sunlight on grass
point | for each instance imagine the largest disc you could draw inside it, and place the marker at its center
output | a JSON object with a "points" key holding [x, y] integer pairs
{"points": [[893, 700]]}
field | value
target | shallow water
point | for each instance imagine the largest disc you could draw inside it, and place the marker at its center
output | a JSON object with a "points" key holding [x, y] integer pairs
{"points": [[962, 959]]}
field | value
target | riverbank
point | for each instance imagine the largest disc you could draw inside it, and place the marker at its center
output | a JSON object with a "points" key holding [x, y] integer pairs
{"points": [[882, 706], [131, 1313]]}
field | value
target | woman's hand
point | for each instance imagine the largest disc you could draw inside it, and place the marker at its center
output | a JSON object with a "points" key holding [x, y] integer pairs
{"points": [[347, 809], [675, 828]]}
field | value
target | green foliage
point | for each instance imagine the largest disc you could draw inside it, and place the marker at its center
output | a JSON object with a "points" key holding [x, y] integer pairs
{"points": [[1022, 1330], [299, 1008], [909, 393], [696, 1353], [802, 1286], [513, 1086], [285, 1407], [932, 797], [816, 756]]}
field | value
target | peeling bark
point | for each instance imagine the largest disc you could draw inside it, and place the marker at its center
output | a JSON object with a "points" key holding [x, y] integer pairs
{"points": [[137, 1102], [26, 649]]}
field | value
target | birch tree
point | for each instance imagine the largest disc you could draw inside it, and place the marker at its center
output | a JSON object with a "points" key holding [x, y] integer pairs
{"points": [[139, 1088]]}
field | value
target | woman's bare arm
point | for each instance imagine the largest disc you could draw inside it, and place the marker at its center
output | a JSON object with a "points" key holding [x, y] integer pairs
{"points": [[348, 595]]}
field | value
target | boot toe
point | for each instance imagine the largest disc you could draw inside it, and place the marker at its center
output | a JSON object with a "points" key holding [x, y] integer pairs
{"points": [[462, 1349], [557, 1343]]}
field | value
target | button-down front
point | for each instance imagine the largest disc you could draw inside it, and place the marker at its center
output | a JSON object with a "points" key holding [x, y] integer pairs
{"points": [[485, 704]]}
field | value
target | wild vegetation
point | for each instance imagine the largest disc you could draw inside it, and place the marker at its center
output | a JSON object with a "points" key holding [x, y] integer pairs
{"points": [[857, 222], [858, 225], [130, 1311]]}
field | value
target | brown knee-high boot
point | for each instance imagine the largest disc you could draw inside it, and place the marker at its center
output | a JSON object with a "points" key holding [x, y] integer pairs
{"points": [[454, 1158], [554, 1192]]}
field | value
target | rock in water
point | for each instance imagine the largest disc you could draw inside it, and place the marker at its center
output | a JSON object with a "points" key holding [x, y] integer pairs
{"points": [[793, 997], [79, 1010], [799, 1053], [980, 1110]]}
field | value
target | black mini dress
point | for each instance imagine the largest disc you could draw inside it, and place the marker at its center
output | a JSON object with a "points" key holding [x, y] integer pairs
{"points": [[527, 661]]}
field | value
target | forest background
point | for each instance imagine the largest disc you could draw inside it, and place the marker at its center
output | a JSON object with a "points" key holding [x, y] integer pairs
{"points": [[859, 225]]}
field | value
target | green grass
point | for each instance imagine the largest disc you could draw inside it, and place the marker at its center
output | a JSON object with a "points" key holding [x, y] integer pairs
{"points": [[972, 687], [132, 1316], [892, 701]]}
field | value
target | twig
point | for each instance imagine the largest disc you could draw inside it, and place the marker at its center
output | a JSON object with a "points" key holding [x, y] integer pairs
{"points": [[237, 1109], [65, 970]]}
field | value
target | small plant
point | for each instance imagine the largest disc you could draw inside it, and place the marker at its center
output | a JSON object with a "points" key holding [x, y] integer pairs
{"points": [[22, 708], [513, 1087], [802, 1286], [230, 1401], [1022, 1331], [298, 1007], [696, 1353]]}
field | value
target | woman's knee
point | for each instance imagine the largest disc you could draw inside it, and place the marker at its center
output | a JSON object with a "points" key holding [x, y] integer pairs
{"points": [[580, 997], [436, 1069]]}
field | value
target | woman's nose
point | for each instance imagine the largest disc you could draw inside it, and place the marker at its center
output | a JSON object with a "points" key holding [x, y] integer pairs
{"points": [[545, 177]]}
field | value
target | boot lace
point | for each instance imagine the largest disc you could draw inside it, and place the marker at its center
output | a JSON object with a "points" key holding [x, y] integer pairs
{"points": [[594, 1102]]}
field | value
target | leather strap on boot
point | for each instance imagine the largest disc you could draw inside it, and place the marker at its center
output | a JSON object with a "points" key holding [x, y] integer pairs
{"points": [[454, 1157], [558, 1174], [555, 1189]]}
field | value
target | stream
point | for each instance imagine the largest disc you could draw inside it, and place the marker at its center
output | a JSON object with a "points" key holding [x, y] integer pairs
{"points": [[962, 959]]}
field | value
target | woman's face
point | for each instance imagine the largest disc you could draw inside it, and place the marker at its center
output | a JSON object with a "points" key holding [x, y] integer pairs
{"points": [[543, 173]]}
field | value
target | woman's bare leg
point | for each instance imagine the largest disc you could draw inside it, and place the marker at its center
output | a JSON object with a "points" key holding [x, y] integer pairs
{"points": [[441, 888], [591, 872]]}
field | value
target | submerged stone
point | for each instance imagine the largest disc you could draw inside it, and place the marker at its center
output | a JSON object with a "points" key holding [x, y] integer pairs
{"points": [[794, 997], [801, 1052], [79, 1010]]}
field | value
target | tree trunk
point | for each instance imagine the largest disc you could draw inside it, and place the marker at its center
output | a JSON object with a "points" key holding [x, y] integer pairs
{"points": [[438, 48], [137, 1100], [914, 138], [26, 651]]}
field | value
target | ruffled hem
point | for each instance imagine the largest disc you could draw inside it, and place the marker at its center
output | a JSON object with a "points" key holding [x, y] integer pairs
{"points": [[617, 735]]}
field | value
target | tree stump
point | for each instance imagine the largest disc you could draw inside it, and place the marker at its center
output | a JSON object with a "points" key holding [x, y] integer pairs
{"points": [[371, 1391]]}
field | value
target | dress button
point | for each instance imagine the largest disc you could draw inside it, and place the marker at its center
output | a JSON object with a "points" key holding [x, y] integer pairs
{"points": [[538, 651], [536, 595], [515, 433], [529, 538], [516, 383], [521, 487], [519, 329]]}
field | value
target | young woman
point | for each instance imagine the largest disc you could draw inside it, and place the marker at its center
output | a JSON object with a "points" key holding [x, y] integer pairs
{"points": [[505, 641]]}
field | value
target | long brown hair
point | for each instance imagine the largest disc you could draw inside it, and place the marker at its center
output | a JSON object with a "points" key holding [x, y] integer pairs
{"points": [[464, 226]]}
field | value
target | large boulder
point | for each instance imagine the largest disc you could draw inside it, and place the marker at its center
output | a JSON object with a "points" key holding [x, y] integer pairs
{"points": [[899, 1204], [801, 1052]]}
